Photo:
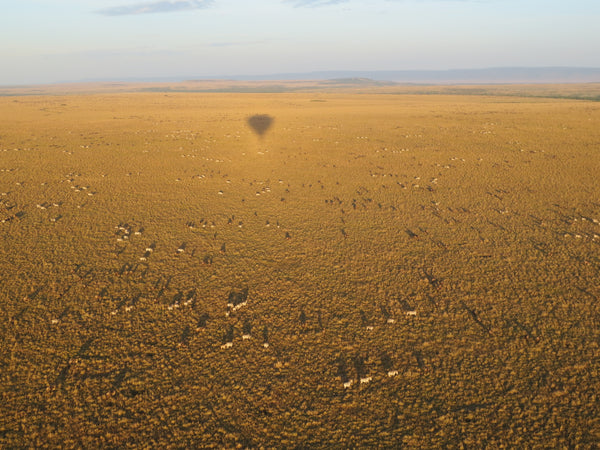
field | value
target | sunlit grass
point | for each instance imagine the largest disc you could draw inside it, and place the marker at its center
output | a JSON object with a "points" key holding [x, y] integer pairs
{"points": [[423, 269]]}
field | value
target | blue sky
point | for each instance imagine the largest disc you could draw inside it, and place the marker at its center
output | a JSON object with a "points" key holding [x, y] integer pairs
{"points": [[44, 41]]}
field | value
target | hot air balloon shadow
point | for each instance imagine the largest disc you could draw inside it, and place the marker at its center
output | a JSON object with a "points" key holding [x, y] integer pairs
{"points": [[260, 123]]}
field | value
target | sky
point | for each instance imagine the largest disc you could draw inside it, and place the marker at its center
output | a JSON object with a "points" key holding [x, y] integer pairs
{"points": [[49, 41]]}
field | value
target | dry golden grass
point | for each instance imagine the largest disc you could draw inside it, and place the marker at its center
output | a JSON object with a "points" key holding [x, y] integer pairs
{"points": [[479, 213]]}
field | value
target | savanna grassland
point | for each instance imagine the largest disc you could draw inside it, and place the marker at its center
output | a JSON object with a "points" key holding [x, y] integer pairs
{"points": [[443, 249]]}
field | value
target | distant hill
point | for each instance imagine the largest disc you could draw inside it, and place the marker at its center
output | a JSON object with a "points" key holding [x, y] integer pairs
{"points": [[356, 82], [558, 82], [493, 75], [500, 75]]}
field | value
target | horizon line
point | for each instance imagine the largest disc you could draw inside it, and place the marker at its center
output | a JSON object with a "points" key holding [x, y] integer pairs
{"points": [[332, 74]]}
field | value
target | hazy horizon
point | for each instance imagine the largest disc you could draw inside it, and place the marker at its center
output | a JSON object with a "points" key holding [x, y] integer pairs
{"points": [[66, 40]]}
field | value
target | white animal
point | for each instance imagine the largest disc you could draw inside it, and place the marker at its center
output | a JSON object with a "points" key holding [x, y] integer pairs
{"points": [[238, 306], [348, 384], [392, 373], [365, 380], [411, 313], [227, 345]]}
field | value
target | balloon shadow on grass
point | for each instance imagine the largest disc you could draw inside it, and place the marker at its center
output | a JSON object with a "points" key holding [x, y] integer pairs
{"points": [[260, 123]]}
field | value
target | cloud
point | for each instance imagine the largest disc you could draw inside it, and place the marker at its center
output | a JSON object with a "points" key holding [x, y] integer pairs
{"points": [[244, 43], [314, 3], [156, 7], [231, 44]]}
